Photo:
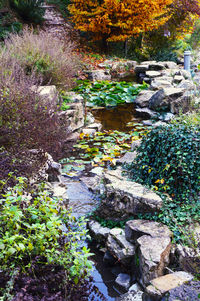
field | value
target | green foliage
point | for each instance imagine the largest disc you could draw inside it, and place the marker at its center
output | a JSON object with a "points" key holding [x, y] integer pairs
{"points": [[7, 27], [31, 11], [169, 160], [109, 94], [35, 224], [189, 119]]}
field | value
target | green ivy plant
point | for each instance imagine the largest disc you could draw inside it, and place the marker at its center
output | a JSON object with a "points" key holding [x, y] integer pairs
{"points": [[108, 94], [35, 224]]}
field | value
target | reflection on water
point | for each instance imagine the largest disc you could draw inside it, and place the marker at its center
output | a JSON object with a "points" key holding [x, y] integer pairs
{"points": [[116, 118]]}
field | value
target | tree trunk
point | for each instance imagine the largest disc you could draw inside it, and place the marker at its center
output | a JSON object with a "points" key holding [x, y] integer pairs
{"points": [[125, 48]]}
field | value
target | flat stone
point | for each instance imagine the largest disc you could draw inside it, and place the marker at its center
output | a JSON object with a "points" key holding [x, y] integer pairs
{"points": [[119, 247], [123, 280], [137, 228], [92, 183], [160, 286], [162, 82], [153, 257], [153, 74], [178, 78], [143, 98], [146, 113], [128, 158], [88, 131], [173, 92], [156, 66], [147, 122], [131, 296], [99, 75], [124, 198], [189, 291], [170, 65], [98, 232], [187, 85], [96, 126], [141, 68]]}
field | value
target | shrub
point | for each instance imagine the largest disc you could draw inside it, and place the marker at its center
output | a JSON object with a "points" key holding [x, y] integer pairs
{"points": [[35, 227], [48, 57], [27, 122], [31, 11], [169, 160]]}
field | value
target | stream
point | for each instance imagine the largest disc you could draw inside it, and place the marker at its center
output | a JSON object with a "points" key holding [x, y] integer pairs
{"points": [[82, 201]]}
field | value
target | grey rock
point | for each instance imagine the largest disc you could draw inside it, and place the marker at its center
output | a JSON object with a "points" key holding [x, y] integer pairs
{"points": [[156, 66], [141, 68], [159, 123], [135, 144], [124, 198], [153, 74], [137, 228], [161, 285], [135, 287], [185, 292], [177, 79], [162, 82], [131, 296], [147, 122], [92, 182], [187, 85], [119, 247], [153, 257], [167, 117], [73, 118], [162, 98], [88, 131], [96, 126], [98, 232], [170, 65], [143, 98], [46, 92], [145, 113], [123, 280], [99, 75], [75, 97], [181, 104], [128, 158]]}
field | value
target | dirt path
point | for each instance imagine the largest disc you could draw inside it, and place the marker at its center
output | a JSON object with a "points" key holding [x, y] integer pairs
{"points": [[57, 25]]}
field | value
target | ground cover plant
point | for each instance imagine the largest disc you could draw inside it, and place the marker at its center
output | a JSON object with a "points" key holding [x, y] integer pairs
{"points": [[37, 231], [168, 161], [109, 94], [52, 60]]}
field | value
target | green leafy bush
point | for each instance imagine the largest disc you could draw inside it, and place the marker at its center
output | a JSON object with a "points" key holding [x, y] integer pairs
{"points": [[109, 94], [169, 160], [35, 225], [52, 60], [31, 11]]}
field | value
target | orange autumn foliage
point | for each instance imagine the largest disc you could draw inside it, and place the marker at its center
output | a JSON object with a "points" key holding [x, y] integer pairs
{"points": [[117, 20]]}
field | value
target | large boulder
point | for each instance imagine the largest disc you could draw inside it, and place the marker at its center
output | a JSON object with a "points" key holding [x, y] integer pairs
{"points": [[161, 285], [99, 74], [181, 104], [161, 99], [184, 292], [119, 247], [145, 112], [161, 82], [143, 98], [124, 198], [98, 232], [153, 255], [137, 228]]}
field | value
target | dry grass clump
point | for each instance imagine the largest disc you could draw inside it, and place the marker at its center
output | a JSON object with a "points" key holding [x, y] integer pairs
{"points": [[48, 57]]}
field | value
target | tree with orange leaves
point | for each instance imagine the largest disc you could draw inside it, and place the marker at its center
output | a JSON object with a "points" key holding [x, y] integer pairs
{"points": [[117, 20]]}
